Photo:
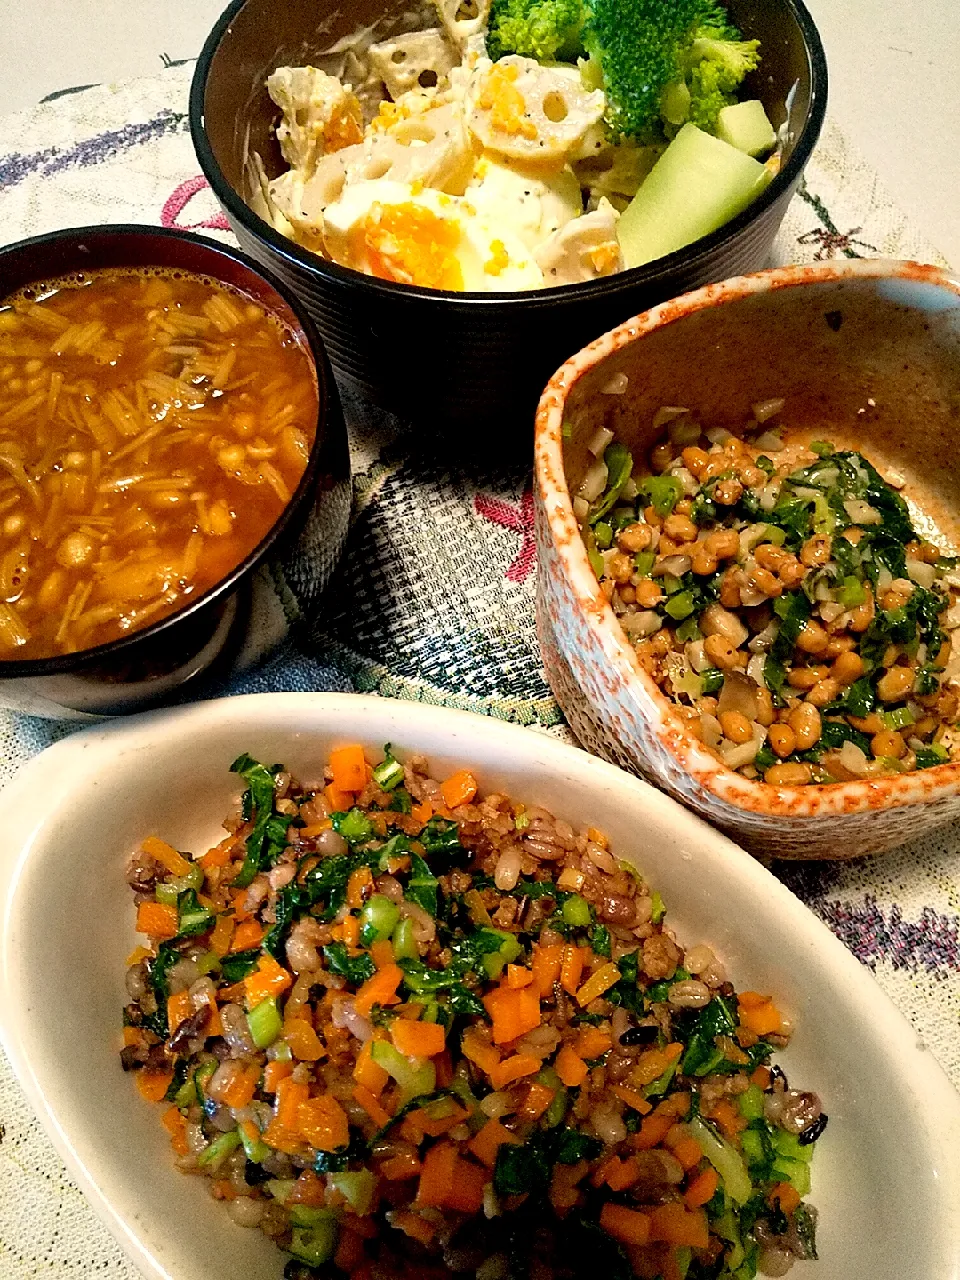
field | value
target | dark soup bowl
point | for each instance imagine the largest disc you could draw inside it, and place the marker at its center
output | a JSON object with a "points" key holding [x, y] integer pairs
{"points": [[469, 363], [126, 586]]}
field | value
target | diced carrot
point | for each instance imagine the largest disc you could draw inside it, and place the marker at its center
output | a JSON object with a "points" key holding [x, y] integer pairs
{"points": [[537, 1099], [466, 1194], [518, 976], [131, 1036], [785, 1195], [350, 1252], [673, 1223], [290, 1095], [309, 1190], [412, 1225], [571, 1068], [629, 1226], [619, 1174], [653, 1063], [688, 1152], [406, 1164], [137, 956], [436, 1177], [153, 1084], [422, 812], [675, 1104], [222, 935], [592, 1042], [339, 801], [268, 979], [604, 978], [762, 1019], [515, 1068], [597, 837], [157, 919], [422, 1124], [304, 1042], [459, 788], [348, 768], [240, 1091], [359, 880], [489, 1140], [166, 855], [701, 1189], [752, 999], [761, 1077], [632, 1098], [274, 1072], [238, 898], [571, 969], [653, 1129], [218, 856], [282, 1139], [323, 1122], [480, 1051], [249, 933], [513, 1013], [351, 931], [369, 1074], [371, 1105], [380, 989], [547, 962], [313, 829], [418, 1039], [728, 1118], [382, 953], [179, 1007], [176, 1126]]}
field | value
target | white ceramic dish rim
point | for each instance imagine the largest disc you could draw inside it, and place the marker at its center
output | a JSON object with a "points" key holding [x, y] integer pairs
{"points": [[845, 798], [932, 1097]]}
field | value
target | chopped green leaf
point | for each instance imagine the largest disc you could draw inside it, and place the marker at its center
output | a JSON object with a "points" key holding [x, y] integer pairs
{"points": [[662, 493], [422, 887], [356, 969], [235, 966], [619, 462]]}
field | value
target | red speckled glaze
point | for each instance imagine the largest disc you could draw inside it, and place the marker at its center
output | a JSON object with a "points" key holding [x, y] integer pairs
{"points": [[865, 353]]}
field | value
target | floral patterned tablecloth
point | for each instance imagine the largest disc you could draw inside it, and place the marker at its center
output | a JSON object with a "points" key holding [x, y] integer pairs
{"points": [[434, 597]]}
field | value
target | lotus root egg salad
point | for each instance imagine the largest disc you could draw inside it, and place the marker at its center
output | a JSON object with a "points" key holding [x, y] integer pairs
{"points": [[532, 143]]}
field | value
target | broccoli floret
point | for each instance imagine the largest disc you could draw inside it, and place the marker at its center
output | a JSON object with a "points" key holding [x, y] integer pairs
{"points": [[658, 61], [716, 70], [642, 47], [548, 30]]}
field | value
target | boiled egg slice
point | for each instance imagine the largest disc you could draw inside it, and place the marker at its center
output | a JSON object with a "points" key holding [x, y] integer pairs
{"points": [[419, 236]]}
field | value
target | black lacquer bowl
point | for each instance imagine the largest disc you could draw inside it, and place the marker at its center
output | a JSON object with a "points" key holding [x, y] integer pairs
{"points": [[458, 362], [249, 613]]}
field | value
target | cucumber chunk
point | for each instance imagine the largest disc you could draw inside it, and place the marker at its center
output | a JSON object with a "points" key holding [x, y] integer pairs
{"points": [[745, 126], [697, 185]]}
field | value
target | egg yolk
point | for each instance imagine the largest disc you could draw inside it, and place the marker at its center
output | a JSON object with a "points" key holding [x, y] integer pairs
{"points": [[409, 244], [506, 104], [345, 127]]}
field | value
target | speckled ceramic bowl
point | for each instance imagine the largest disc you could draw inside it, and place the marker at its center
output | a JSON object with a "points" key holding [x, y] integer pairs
{"points": [[866, 354]]}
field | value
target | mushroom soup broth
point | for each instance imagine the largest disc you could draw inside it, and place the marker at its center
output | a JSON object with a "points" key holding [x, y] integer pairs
{"points": [[153, 427]]}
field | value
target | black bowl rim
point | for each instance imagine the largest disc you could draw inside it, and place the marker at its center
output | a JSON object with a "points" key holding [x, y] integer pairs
{"points": [[528, 299], [60, 664]]}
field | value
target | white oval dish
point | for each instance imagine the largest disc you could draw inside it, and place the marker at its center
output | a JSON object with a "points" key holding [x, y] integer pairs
{"points": [[886, 1175]]}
